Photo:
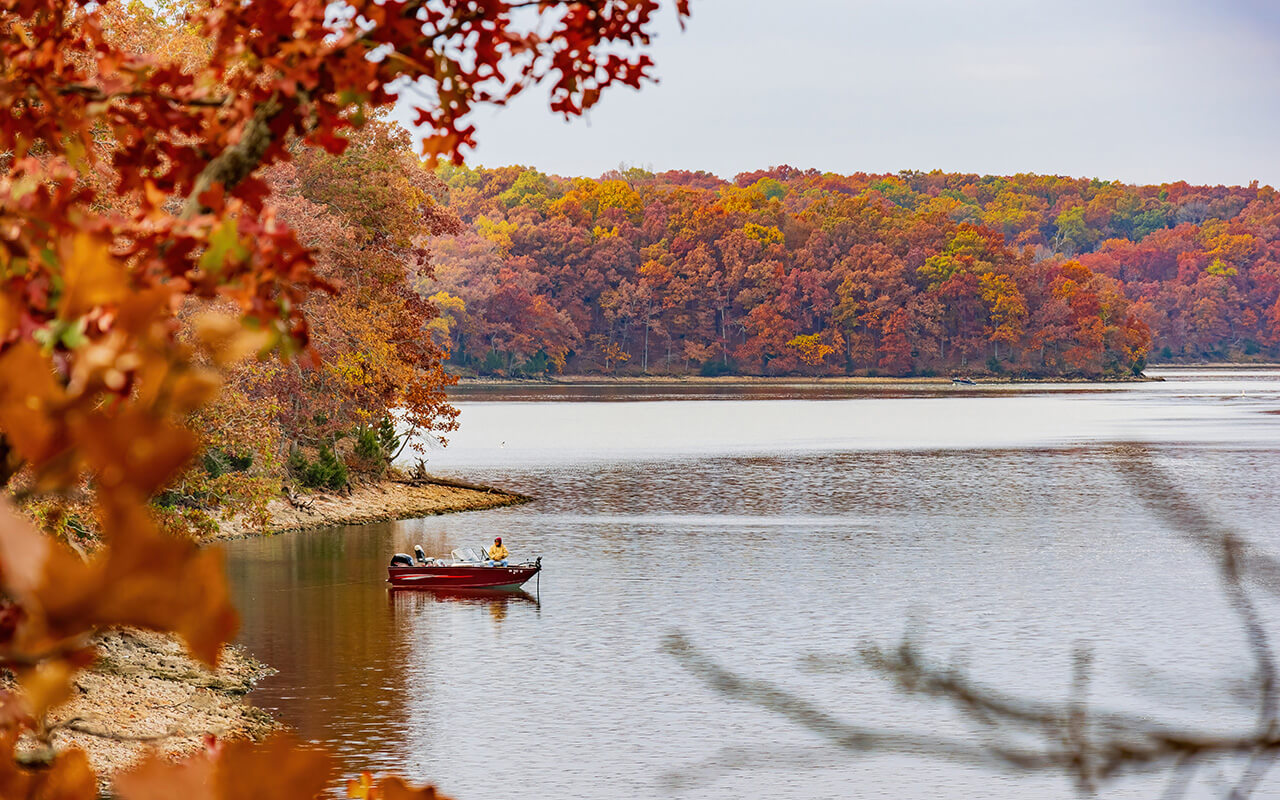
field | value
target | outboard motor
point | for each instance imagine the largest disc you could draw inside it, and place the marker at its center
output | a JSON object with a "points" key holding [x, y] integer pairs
{"points": [[422, 557], [402, 560]]}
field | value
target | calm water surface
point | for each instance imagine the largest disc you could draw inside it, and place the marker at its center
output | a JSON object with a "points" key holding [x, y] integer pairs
{"points": [[779, 528]]}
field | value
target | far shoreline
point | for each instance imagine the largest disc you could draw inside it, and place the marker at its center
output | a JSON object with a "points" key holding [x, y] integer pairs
{"points": [[581, 379], [790, 380]]}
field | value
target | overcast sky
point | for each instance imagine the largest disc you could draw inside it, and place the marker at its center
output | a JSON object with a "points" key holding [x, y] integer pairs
{"points": [[1138, 90]]}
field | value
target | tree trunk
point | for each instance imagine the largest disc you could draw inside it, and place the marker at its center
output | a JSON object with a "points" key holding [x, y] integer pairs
{"points": [[724, 345], [644, 367]]}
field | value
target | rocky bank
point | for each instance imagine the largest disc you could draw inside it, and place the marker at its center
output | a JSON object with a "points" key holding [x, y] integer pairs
{"points": [[144, 693]]}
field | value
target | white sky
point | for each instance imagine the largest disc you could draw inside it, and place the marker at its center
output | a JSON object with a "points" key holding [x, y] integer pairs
{"points": [[1138, 90]]}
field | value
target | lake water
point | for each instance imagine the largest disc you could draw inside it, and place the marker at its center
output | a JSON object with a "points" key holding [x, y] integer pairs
{"points": [[778, 528]]}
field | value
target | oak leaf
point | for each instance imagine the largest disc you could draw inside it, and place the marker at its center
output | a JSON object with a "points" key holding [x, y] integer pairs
{"points": [[30, 396], [91, 276]]}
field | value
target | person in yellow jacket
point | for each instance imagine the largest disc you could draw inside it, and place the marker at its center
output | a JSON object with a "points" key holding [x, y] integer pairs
{"points": [[499, 554]]}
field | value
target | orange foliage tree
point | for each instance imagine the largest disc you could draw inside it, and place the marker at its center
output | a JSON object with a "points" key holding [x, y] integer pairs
{"points": [[369, 213], [134, 183]]}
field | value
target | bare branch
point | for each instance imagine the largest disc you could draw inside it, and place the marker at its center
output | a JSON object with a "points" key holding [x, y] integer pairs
{"points": [[86, 726], [1077, 732], [1089, 747], [97, 94], [1187, 518]]}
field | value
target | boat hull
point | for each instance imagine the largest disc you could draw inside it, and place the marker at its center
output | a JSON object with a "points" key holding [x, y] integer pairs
{"points": [[460, 577]]}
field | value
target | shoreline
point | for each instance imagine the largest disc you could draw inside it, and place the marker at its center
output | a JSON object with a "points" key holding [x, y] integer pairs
{"points": [[374, 501], [465, 381], [1225, 365], [759, 380]]}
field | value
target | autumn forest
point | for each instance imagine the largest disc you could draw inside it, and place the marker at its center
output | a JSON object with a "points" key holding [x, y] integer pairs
{"points": [[799, 272]]}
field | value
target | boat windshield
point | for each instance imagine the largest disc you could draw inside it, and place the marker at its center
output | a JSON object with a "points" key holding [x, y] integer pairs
{"points": [[467, 554]]}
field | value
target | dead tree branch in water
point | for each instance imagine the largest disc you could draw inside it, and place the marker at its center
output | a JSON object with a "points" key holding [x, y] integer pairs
{"points": [[1088, 746]]}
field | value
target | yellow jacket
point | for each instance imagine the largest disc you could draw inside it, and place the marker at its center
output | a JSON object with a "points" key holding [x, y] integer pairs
{"points": [[499, 552]]}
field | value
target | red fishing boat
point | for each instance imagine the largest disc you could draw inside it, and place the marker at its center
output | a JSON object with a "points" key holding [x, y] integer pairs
{"points": [[466, 568]]}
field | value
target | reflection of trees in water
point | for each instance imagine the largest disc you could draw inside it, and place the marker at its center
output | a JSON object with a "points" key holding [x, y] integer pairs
{"points": [[1089, 746], [323, 627]]}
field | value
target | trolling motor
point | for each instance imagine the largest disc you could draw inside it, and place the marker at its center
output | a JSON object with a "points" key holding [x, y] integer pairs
{"points": [[422, 557]]}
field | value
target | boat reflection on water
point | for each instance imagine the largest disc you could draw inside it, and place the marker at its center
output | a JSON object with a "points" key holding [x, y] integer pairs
{"points": [[416, 601]]}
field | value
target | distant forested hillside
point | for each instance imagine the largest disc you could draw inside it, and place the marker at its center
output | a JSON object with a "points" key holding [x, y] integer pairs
{"points": [[798, 272]]}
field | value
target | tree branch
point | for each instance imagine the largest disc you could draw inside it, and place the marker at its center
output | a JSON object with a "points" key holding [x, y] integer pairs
{"points": [[239, 160], [96, 94]]}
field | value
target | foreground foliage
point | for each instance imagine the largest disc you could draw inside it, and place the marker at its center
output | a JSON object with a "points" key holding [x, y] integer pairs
{"points": [[142, 257]]}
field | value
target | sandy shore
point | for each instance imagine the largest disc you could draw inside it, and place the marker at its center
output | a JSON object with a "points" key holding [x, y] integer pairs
{"points": [[376, 501]]}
